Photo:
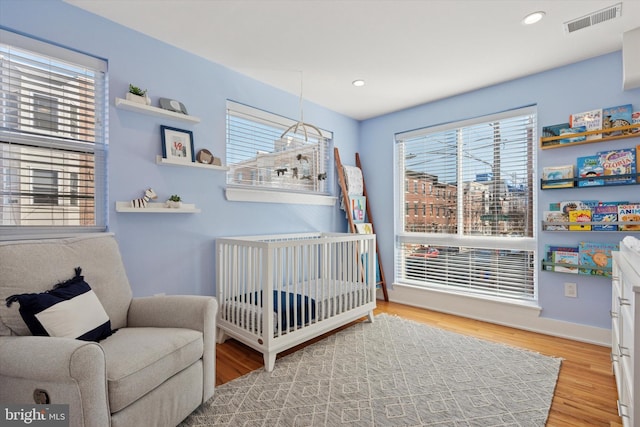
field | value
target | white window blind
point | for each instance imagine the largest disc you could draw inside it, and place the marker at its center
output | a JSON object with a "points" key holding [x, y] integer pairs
{"points": [[52, 139], [261, 157], [477, 235]]}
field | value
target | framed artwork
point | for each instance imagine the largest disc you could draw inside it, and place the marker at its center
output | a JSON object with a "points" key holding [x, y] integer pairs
{"points": [[177, 144]]}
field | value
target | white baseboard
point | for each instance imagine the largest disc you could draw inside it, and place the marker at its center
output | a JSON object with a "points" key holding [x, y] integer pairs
{"points": [[521, 316]]}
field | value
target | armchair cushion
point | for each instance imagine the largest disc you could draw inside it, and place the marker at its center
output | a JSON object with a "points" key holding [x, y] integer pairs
{"points": [[140, 359], [70, 310]]}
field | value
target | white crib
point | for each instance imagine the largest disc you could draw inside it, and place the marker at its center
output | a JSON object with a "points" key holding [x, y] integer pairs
{"points": [[314, 283]]}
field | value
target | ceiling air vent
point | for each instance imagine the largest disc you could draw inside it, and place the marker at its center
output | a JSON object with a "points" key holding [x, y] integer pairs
{"points": [[594, 18]]}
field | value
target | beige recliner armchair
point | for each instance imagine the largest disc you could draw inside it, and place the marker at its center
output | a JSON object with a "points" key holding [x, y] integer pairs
{"points": [[154, 370]]}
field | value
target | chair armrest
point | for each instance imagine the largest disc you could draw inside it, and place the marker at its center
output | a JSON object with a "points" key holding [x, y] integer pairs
{"points": [[173, 311], [182, 311], [73, 370]]}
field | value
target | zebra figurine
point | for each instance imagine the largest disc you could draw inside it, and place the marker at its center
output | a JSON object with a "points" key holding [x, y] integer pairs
{"points": [[149, 194]]}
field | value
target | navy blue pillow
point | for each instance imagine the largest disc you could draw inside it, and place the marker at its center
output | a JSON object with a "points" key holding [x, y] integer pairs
{"points": [[71, 309]]}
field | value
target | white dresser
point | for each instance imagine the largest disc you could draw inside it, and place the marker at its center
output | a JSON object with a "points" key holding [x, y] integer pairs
{"points": [[625, 337]]}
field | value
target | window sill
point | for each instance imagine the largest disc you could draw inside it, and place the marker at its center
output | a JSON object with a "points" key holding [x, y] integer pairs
{"points": [[235, 194], [533, 305]]}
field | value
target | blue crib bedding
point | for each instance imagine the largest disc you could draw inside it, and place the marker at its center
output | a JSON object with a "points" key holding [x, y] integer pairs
{"points": [[297, 311]]}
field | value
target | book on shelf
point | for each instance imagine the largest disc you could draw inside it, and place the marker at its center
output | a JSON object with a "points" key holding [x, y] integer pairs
{"points": [[358, 208], [572, 205], [618, 162], [551, 173], [553, 130], [589, 168], [552, 217], [580, 215], [364, 228], [613, 117], [550, 250], [605, 214], [572, 131], [596, 257], [565, 262], [591, 120], [629, 213], [635, 120]]}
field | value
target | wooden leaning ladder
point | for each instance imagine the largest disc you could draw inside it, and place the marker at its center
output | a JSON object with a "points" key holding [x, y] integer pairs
{"points": [[382, 283]]}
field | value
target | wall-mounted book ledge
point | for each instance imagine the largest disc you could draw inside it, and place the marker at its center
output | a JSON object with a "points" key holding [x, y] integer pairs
{"points": [[585, 270], [609, 180], [554, 225], [622, 132]]}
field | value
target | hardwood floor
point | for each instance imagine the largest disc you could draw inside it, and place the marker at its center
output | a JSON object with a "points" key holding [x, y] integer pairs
{"points": [[585, 394]]}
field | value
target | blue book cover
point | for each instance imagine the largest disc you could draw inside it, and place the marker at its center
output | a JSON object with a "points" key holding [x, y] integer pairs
{"points": [[604, 214], [618, 162], [589, 168], [617, 116]]}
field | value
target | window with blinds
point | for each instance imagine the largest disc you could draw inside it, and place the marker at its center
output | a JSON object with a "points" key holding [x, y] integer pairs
{"points": [[52, 138], [465, 206], [270, 152]]}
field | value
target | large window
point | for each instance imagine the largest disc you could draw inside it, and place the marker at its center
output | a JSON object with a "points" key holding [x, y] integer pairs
{"points": [[478, 234], [270, 152], [52, 139]]}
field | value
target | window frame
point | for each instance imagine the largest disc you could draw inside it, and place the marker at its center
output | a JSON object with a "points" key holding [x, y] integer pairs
{"points": [[73, 130], [264, 194], [459, 239]]}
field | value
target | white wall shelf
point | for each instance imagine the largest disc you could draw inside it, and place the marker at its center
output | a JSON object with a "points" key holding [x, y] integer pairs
{"points": [[154, 111], [236, 194], [164, 161], [156, 208]]}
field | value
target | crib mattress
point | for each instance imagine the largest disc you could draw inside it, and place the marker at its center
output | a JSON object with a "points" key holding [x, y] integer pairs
{"points": [[293, 309]]}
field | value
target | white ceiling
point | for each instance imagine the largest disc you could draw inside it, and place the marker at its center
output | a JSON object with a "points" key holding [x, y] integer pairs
{"points": [[409, 52]]}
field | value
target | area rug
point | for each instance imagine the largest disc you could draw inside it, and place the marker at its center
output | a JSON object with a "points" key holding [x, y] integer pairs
{"points": [[392, 372]]}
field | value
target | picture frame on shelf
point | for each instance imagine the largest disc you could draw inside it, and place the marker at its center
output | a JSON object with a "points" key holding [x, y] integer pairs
{"points": [[177, 144]]}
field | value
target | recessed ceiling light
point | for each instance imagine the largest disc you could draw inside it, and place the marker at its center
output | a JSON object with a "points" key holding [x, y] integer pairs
{"points": [[532, 18], [358, 83]]}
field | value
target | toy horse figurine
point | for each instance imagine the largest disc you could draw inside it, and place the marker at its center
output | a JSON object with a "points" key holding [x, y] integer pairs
{"points": [[149, 194]]}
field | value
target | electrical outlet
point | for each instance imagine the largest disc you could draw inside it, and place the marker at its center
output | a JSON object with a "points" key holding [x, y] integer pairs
{"points": [[570, 289]]}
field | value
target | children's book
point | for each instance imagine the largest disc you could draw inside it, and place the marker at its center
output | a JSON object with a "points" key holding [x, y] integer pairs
{"points": [[605, 214], [562, 129], [554, 130], [551, 173], [613, 117], [580, 215], [618, 162], [364, 228], [596, 256], [551, 217], [635, 120], [358, 208], [629, 213], [551, 249], [589, 168], [591, 120], [572, 131], [566, 262], [572, 205]]}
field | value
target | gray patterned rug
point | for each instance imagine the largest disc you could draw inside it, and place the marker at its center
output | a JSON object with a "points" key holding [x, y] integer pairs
{"points": [[392, 372]]}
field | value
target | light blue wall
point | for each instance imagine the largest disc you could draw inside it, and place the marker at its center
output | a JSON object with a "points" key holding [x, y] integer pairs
{"points": [[557, 93], [175, 253]]}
